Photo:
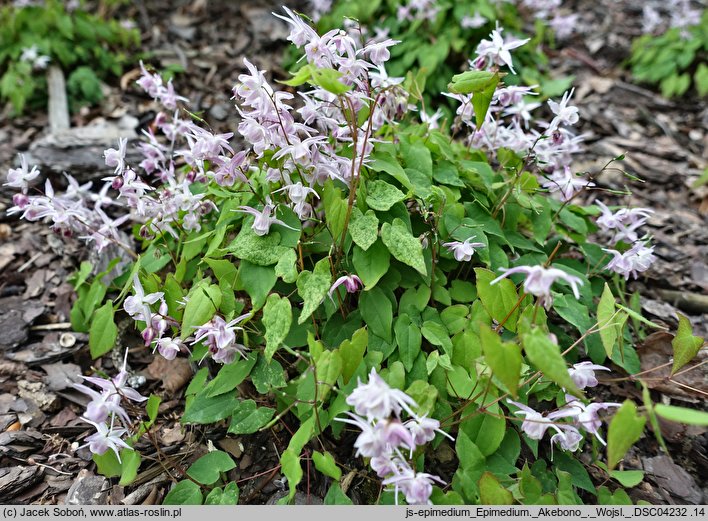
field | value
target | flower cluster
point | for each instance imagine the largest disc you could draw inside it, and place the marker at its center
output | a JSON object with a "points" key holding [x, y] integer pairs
{"points": [[674, 13], [105, 409], [385, 437], [508, 121], [220, 338], [623, 225], [550, 11], [584, 416], [32, 56], [156, 324], [77, 211]]}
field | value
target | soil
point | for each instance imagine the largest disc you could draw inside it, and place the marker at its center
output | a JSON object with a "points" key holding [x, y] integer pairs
{"points": [[41, 461]]}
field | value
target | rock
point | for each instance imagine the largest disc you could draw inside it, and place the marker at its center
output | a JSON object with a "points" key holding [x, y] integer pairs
{"points": [[79, 150], [14, 480], [673, 479], [47, 351], [20, 443], [46, 400], [16, 315], [88, 490], [62, 376]]}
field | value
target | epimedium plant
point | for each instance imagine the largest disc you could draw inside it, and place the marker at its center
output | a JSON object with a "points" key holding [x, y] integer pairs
{"points": [[87, 47], [672, 52], [438, 36], [370, 277]]}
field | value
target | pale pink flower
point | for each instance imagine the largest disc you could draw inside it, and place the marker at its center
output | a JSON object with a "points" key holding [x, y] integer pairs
{"points": [[463, 251]]}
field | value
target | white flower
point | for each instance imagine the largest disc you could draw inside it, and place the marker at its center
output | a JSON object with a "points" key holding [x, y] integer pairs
{"points": [[497, 50], [539, 281], [376, 399], [565, 114], [463, 251], [583, 374], [20, 177]]}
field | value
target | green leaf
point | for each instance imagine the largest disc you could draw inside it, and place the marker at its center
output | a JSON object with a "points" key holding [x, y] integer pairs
{"points": [[371, 264], [382, 196], [472, 81], [267, 376], [403, 246], [625, 428], [462, 291], [230, 376], [486, 430], [204, 300], [491, 492], [312, 288], [277, 319], [377, 312], [184, 493], [207, 469], [455, 318], [290, 465], [437, 335], [409, 340], [424, 396], [482, 99], [286, 268], [503, 358], [130, 462], [108, 464], [261, 250], [364, 228], [248, 418], [328, 79], [103, 332], [329, 367], [546, 357], [300, 77], [499, 300], [257, 281], [335, 496], [352, 352], [228, 496], [459, 382], [324, 462], [203, 409], [628, 478], [335, 209], [152, 406], [605, 315], [686, 346], [682, 414], [389, 164], [470, 456]]}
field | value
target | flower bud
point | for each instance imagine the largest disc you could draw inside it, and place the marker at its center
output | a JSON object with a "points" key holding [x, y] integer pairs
{"points": [[20, 200], [148, 335]]}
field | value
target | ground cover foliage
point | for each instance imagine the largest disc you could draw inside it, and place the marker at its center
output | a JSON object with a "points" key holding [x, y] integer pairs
{"points": [[372, 269], [89, 48]]}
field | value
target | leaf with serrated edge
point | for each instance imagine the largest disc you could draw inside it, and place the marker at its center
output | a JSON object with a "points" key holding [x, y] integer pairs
{"points": [[546, 357], [364, 228], [277, 318], [403, 246], [504, 358], [312, 288], [605, 313], [625, 428], [686, 346]]}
